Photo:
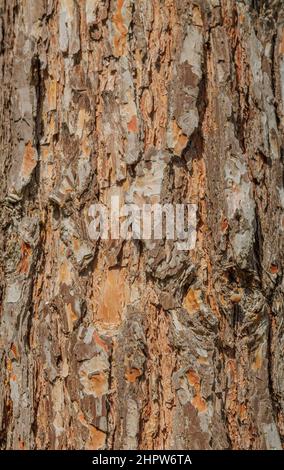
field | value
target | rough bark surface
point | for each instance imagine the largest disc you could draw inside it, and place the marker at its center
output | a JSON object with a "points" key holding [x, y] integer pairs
{"points": [[129, 345]]}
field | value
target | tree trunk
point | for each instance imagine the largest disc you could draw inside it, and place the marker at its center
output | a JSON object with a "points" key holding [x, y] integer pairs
{"points": [[134, 344]]}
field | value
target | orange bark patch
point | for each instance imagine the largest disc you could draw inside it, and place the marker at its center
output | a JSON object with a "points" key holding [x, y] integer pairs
{"points": [[65, 273], [76, 244], [21, 445], [192, 301], [257, 363], [113, 296], [196, 16], [243, 412], [274, 269], [120, 37], [14, 350], [146, 104], [231, 363], [99, 383], [51, 95], [83, 118], [179, 139], [26, 253], [193, 378], [281, 44], [181, 144], [202, 360], [94, 383], [133, 125], [9, 365], [236, 297], [224, 225], [132, 374], [213, 303], [29, 160], [98, 340], [86, 148], [71, 316], [96, 439], [198, 401]]}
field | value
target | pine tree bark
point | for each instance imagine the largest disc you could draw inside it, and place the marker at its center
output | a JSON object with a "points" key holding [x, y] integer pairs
{"points": [[134, 345]]}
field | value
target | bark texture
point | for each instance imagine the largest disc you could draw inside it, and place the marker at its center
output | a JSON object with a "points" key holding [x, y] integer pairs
{"points": [[129, 345]]}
